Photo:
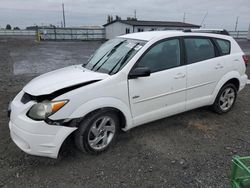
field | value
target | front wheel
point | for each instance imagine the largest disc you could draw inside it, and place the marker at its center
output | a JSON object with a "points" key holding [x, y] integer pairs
{"points": [[97, 132], [225, 99]]}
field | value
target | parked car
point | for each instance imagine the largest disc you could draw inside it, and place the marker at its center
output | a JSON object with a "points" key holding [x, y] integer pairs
{"points": [[130, 80]]}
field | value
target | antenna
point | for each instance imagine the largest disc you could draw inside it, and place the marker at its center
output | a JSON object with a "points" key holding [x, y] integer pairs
{"points": [[64, 25], [184, 17], [236, 24], [135, 14], [204, 18]]}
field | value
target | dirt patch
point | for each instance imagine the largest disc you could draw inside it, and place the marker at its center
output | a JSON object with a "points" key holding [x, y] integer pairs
{"points": [[206, 129]]}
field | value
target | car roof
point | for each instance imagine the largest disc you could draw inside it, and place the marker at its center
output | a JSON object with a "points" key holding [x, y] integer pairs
{"points": [[150, 35]]}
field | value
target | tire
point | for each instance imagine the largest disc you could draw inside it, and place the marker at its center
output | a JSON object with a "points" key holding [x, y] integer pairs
{"points": [[97, 132], [225, 99]]}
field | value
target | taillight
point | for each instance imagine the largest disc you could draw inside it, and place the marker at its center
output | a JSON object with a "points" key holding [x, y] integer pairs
{"points": [[245, 58]]}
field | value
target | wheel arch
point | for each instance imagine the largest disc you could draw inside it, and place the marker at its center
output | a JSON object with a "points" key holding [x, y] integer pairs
{"points": [[105, 103], [231, 77], [234, 81]]}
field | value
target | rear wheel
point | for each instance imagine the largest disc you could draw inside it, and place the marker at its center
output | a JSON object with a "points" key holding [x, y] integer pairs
{"points": [[97, 132], [225, 99]]}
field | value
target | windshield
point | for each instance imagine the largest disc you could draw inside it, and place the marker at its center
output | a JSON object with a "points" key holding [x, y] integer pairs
{"points": [[113, 55]]}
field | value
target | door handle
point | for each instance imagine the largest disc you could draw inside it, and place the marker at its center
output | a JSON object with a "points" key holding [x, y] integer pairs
{"points": [[218, 66], [179, 76]]}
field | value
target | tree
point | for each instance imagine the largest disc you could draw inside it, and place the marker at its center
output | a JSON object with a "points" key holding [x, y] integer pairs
{"points": [[132, 18], [117, 17], [110, 18], [8, 27], [52, 26], [16, 28]]}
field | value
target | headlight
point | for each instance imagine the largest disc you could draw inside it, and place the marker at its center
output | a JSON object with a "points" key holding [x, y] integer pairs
{"points": [[43, 110]]}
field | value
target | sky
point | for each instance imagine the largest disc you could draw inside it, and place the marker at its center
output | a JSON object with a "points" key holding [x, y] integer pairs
{"points": [[220, 13]]}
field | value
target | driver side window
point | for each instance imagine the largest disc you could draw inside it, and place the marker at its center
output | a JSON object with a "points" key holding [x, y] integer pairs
{"points": [[162, 56]]}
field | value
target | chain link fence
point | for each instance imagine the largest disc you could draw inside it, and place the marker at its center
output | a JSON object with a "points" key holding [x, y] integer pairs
{"points": [[71, 33], [51, 33]]}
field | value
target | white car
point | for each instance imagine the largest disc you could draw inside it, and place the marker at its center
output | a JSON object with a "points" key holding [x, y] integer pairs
{"points": [[129, 81]]}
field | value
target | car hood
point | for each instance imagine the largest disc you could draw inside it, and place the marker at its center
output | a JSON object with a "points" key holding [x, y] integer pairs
{"points": [[61, 78]]}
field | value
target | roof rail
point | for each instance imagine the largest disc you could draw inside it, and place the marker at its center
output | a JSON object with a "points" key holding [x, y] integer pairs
{"points": [[215, 31]]}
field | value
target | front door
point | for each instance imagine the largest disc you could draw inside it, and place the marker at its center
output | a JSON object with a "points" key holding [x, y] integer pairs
{"points": [[163, 92]]}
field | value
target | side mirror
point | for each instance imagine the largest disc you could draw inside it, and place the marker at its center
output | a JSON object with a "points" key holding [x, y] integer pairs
{"points": [[139, 72]]}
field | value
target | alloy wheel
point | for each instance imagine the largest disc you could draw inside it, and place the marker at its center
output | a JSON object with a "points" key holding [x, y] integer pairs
{"points": [[227, 99], [101, 132]]}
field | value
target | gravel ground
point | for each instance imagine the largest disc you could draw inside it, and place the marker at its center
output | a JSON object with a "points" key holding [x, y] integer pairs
{"points": [[193, 149]]}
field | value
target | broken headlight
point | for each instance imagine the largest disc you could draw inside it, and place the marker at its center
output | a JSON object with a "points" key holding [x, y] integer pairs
{"points": [[43, 110]]}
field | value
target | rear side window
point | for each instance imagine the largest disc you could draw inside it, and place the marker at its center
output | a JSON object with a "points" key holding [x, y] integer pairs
{"points": [[224, 46], [198, 49]]}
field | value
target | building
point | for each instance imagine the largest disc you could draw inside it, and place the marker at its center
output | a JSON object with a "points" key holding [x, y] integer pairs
{"points": [[120, 27]]}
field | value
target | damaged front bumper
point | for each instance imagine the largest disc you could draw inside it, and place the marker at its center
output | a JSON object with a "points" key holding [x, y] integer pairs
{"points": [[35, 137]]}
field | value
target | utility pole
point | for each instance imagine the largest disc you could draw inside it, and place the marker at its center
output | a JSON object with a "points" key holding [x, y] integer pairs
{"points": [[248, 35], [64, 25], [184, 17], [135, 14], [236, 24]]}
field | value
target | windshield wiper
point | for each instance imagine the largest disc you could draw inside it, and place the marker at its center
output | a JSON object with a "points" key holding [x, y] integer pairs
{"points": [[115, 47], [107, 54], [123, 59], [84, 64], [110, 53], [99, 60]]}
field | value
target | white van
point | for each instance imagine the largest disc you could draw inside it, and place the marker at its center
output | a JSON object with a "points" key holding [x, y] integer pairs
{"points": [[130, 80]]}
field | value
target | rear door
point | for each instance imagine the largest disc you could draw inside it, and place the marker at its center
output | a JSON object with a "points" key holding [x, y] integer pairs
{"points": [[204, 69], [163, 92]]}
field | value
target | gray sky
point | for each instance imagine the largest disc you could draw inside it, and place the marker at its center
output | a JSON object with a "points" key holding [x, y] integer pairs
{"points": [[221, 13]]}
